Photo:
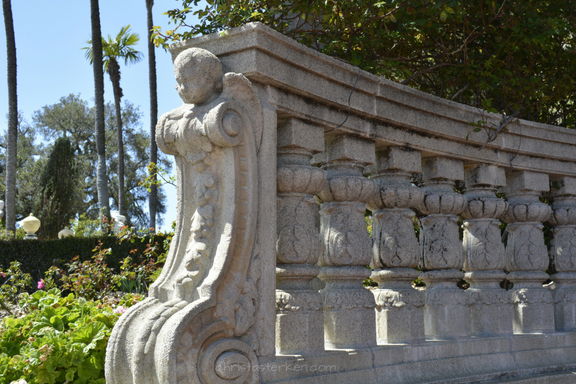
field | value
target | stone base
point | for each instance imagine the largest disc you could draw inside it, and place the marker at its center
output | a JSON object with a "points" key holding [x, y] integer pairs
{"points": [[446, 309], [399, 307], [448, 362], [564, 295], [533, 304], [491, 310], [349, 317]]}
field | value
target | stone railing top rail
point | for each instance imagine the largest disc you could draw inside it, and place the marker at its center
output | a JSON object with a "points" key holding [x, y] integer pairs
{"points": [[315, 87]]}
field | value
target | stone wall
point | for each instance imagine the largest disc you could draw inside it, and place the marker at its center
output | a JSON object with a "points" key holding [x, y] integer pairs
{"points": [[276, 172]]}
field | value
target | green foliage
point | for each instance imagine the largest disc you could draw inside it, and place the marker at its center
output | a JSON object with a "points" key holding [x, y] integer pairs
{"points": [[515, 57], [73, 118], [14, 282], [60, 193], [38, 256], [62, 339]]}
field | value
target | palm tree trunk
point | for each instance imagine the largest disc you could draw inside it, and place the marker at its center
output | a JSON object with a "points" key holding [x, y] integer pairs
{"points": [[114, 72], [11, 150], [101, 178], [153, 195]]}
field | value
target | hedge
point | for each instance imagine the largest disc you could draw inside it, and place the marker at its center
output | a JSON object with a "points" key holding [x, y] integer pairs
{"points": [[37, 256]]}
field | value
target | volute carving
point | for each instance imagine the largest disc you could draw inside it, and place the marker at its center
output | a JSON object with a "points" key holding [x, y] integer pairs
{"points": [[199, 316]]}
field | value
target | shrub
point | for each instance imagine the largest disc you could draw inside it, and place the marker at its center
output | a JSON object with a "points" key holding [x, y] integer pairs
{"points": [[61, 339]]}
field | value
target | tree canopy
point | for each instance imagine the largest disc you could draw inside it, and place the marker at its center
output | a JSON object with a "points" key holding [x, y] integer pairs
{"points": [[516, 57]]}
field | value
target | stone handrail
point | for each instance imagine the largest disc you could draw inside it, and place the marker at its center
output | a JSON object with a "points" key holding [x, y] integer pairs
{"points": [[263, 282]]}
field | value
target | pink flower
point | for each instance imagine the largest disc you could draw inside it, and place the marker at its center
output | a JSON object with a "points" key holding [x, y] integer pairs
{"points": [[41, 284], [2, 274], [121, 309]]}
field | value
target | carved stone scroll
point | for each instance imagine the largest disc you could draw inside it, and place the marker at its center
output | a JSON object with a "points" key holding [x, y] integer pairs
{"points": [[399, 307], [563, 252], [526, 253], [299, 314], [484, 253], [196, 325], [446, 312], [349, 318]]}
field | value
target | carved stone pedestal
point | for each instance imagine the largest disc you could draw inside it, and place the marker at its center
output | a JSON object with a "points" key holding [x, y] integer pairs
{"points": [[564, 295], [348, 308], [446, 312], [446, 309], [349, 317], [491, 310], [299, 317], [484, 253], [563, 252], [533, 304], [526, 253], [399, 307]]}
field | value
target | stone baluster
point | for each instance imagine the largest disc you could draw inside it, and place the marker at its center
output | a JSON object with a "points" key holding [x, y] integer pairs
{"points": [[526, 253], [446, 309], [299, 316], [563, 252], [399, 307], [349, 317], [484, 253]]}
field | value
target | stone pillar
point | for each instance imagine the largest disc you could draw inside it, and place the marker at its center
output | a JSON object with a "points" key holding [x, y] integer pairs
{"points": [[563, 252], [526, 253], [446, 310], [349, 318], [484, 253], [399, 307], [299, 316]]}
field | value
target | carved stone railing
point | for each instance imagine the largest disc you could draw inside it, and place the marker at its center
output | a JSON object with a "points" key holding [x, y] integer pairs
{"points": [[276, 174]]}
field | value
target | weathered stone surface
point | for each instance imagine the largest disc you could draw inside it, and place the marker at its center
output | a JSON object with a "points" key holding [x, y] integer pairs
{"points": [[201, 310]]}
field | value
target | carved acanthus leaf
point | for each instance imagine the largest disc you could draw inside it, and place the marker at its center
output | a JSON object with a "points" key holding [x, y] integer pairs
{"points": [[443, 203], [563, 249], [527, 212], [485, 208], [300, 179], [440, 243], [532, 296], [347, 299], [348, 188], [298, 301], [483, 247], [526, 250], [389, 299], [395, 244]]}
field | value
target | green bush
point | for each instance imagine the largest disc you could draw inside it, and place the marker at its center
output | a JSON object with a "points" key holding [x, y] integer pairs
{"points": [[37, 256], [61, 339]]}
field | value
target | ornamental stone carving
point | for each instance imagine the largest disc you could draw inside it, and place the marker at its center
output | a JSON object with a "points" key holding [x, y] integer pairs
{"points": [[299, 314], [526, 253], [399, 311], [199, 317], [484, 254], [446, 312], [349, 319], [563, 252]]}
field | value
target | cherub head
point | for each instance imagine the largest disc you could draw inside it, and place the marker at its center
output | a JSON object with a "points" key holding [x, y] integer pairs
{"points": [[199, 75]]}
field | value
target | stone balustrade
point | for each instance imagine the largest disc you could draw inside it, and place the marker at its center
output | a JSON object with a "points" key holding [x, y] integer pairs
{"points": [[277, 175]]}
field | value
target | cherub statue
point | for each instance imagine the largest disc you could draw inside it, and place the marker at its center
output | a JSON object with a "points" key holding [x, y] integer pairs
{"points": [[207, 289]]}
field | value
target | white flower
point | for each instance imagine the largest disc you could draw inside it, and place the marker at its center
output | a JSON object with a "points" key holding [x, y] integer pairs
{"points": [[21, 381], [120, 309]]}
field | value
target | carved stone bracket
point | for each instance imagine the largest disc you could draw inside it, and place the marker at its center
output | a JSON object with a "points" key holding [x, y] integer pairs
{"points": [[526, 253], [399, 311], [563, 252], [349, 319], [441, 251], [197, 324], [484, 253], [299, 313]]}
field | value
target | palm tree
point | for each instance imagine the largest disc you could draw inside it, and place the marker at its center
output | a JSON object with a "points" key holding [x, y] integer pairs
{"points": [[101, 178], [12, 119], [153, 195], [113, 50]]}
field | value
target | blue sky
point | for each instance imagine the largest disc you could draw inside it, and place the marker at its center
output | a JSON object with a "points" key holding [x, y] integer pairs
{"points": [[51, 63]]}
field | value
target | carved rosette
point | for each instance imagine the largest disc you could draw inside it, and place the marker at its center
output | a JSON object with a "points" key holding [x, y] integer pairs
{"points": [[197, 326]]}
